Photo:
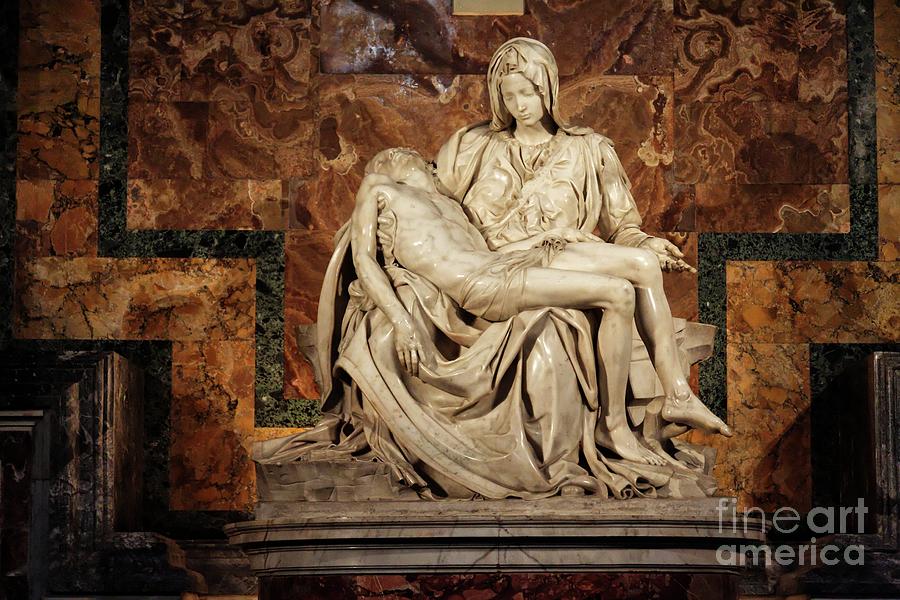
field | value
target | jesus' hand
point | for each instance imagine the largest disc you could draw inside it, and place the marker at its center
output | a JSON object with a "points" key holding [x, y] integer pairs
{"points": [[408, 346]]}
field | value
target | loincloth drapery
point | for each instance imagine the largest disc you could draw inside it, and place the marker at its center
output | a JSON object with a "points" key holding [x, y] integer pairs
{"points": [[494, 291]]}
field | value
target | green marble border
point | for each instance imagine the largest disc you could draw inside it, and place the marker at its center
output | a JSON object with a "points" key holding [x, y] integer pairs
{"points": [[115, 240], [860, 244]]}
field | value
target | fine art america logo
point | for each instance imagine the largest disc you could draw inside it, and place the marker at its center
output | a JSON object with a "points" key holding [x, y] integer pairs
{"points": [[820, 521]]}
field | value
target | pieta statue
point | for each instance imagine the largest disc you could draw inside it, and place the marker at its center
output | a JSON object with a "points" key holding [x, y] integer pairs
{"points": [[493, 324]]}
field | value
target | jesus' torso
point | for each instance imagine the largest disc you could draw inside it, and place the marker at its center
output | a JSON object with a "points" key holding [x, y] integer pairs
{"points": [[430, 235]]}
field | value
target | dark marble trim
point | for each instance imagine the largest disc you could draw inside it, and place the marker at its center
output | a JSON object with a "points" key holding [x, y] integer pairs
{"points": [[9, 75], [860, 244], [115, 240], [155, 358], [839, 416]]}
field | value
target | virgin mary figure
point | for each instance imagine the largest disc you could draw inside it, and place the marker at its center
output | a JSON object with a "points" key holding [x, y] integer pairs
{"points": [[521, 407]]}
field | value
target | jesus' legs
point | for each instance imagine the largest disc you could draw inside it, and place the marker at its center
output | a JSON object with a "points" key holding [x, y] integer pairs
{"points": [[615, 296], [653, 319]]}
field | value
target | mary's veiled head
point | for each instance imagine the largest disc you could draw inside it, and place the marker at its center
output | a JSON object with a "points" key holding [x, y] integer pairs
{"points": [[535, 62]]}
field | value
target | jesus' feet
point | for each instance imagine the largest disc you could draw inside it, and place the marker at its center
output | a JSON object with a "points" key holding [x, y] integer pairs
{"points": [[621, 440], [688, 410]]}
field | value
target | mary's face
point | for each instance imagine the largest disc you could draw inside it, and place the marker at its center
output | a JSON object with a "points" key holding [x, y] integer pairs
{"points": [[522, 99]]}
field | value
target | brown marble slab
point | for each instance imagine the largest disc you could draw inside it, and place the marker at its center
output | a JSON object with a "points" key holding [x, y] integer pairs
{"points": [[767, 462], [259, 140], [789, 208], [59, 60], [889, 222], [58, 144], [306, 258], [167, 140], [887, 89], [139, 298], [206, 204], [223, 13], [423, 37], [822, 31], [744, 50], [681, 288], [358, 116], [813, 302], [212, 426], [154, 54], [265, 56], [761, 142], [59, 89], [56, 218], [637, 113]]}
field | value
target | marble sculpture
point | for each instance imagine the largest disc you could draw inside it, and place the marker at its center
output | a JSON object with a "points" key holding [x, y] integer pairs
{"points": [[494, 324]]}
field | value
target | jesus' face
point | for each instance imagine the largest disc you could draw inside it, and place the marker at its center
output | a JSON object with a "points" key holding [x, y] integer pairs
{"points": [[410, 168]]}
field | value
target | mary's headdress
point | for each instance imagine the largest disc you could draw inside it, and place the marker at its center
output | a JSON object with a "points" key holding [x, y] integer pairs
{"points": [[536, 63]]}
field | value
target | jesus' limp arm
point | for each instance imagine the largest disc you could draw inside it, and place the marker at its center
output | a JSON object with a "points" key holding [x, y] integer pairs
{"points": [[364, 240]]}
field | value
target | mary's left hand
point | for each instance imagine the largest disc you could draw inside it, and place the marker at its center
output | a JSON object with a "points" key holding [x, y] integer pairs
{"points": [[670, 257]]}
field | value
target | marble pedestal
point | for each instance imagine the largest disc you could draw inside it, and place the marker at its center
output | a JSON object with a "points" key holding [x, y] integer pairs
{"points": [[554, 535]]}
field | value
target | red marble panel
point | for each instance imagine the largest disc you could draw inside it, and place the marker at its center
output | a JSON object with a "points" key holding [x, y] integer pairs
{"points": [[206, 204], [306, 258], [358, 116], [139, 298], [259, 140], [167, 140], [56, 218], [790, 208], [264, 56], [59, 144], [767, 462], [212, 426], [813, 302], [887, 92], [59, 89], [889, 221], [761, 142], [154, 55], [822, 33], [422, 36], [637, 113], [744, 50], [65, 28]]}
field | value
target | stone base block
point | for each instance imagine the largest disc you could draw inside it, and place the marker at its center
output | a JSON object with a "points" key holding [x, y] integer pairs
{"points": [[556, 535]]}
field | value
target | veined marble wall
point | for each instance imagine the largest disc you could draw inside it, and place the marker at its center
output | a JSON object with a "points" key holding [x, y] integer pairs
{"points": [[182, 165]]}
